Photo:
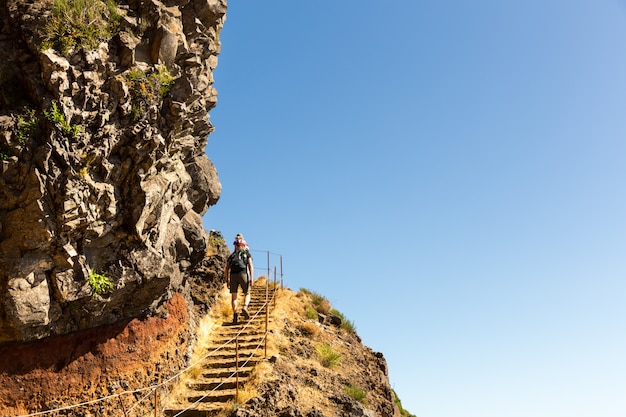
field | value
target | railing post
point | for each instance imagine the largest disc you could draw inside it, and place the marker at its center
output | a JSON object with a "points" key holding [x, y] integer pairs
{"points": [[268, 265], [274, 286], [281, 271], [237, 368], [267, 307]]}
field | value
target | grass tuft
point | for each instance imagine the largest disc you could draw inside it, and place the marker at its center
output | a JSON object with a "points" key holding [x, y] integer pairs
{"points": [[80, 24], [309, 329], [327, 356], [56, 116], [355, 392], [99, 283], [346, 324]]}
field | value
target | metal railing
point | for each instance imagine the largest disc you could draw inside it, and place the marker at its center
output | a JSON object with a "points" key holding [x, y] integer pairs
{"points": [[273, 275]]}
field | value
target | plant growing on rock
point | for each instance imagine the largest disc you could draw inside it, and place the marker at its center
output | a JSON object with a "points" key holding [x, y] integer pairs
{"points": [[355, 392], [327, 356], [80, 24], [55, 116], [148, 89], [346, 324], [398, 403], [27, 125], [99, 283]]}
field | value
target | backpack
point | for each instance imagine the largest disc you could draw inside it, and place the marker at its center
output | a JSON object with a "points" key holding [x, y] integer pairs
{"points": [[238, 261]]}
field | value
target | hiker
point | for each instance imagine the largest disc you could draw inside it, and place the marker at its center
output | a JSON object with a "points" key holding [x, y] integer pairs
{"points": [[239, 272]]}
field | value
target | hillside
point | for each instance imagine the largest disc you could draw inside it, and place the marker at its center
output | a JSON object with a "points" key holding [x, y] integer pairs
{"points": [[315, 365]]}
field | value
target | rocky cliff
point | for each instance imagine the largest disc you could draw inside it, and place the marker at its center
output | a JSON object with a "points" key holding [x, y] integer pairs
{"points": [[103, 181], [103, 173]]}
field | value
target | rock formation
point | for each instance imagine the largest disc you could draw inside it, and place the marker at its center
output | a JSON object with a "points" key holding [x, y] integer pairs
{"points": [[103, 172]]}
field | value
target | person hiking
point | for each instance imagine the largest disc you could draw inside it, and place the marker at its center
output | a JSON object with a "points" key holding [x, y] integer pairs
{"points": [[239, 272]]}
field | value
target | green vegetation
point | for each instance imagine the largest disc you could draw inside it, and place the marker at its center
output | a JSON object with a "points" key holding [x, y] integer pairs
{"points": [[327, 356], [398, 403], [321, 304], [80, 24], [99, 283], [311, 313], [355, 392], [147, 89], [216, 240], [55, 115], [27, 125], [346, 324]]}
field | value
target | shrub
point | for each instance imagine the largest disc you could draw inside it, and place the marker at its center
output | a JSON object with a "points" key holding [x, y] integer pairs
{"points": [[27, 125], [80, 24], [309, 329], [55, 116], [99, 283], [147, 89], [355, 392], [396, 400], [327, 356], [346, 324], [321, 304], [305, 291], [311, 313]]}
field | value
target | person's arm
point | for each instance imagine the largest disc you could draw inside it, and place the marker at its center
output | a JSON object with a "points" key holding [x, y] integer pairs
{"points": [[251, 269], [226, 273]]}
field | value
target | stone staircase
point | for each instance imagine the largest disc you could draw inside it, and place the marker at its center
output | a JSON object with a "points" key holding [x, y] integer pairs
{"points": [[211, 389]]}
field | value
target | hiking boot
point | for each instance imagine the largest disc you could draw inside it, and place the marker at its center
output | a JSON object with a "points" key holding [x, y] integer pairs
{"points": [[235, 321], [245, 313]]}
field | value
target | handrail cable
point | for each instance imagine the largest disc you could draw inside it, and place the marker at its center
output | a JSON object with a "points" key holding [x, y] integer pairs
{"points": [[199, 400], [265, 305], [151, 388]]}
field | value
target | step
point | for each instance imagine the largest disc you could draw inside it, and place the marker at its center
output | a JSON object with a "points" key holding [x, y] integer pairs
{"points": [[246, 336], [213, 383], [198, 410], [230, 355], [244, 372], [230, 362], [222, 395]]}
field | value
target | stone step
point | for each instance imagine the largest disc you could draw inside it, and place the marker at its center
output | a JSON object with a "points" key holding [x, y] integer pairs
{"points": [[195, 410], [222, 395], [244, 372], [216, 383]]}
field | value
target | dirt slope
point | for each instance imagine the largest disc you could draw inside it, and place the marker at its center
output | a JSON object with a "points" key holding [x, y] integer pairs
{"points": [[312, 368]]}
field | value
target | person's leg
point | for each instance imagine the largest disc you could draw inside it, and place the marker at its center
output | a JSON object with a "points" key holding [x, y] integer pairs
{"points": [[234, 285], [233, 301], [246, 299]]}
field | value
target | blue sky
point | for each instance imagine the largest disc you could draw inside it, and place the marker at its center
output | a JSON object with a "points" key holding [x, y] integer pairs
{"points": [[450, 175]]}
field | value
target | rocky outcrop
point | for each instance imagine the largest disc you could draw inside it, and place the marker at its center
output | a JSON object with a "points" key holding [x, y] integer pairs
{"points": [[103, 172]]}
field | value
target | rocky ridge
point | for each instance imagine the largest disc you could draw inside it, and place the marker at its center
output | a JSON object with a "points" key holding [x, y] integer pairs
{"points": [[315, 365]]}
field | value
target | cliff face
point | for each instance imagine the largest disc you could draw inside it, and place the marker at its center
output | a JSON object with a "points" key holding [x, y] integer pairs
{"points": [[103, 175]]}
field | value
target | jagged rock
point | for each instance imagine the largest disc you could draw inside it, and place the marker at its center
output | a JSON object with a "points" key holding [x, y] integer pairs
{"points": [[114, 178]]}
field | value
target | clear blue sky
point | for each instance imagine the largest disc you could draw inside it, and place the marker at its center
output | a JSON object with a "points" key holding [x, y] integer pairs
{"points": [[451, 176]]}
